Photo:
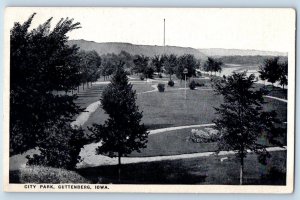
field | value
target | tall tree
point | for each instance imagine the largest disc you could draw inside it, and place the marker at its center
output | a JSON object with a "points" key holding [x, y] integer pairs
{"points": [[90, 63], [157, 62], [270, 70], [283, 78], [170, 64], [212, 65], [122, 132], [108, 64], [241, 121], [186, 61], [141, 63], [41, 62]]}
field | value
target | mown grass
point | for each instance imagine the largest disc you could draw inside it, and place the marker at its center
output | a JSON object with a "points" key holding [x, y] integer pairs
{"points": [[204, 170], [40, 174], [169, 108], [179, 142]]}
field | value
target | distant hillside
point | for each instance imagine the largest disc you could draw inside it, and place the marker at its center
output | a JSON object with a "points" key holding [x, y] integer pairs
{"points": [[147, 50], [238, 52]]}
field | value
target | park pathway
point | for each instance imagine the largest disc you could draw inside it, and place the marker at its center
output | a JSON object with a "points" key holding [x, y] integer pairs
{"points": [[101, 160]]}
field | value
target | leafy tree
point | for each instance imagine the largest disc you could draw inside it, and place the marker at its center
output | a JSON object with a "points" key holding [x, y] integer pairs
{"points": [[170, 64], [270, 70], [212, 65], [90, 63], [283, 78], [157, 62], [241, 121], [108, 65], [141, 63], [41, 62], [60, 148], [127, 59], [186, 61], [122, 132]]}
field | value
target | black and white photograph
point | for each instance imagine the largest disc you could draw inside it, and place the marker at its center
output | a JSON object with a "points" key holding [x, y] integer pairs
{"points": [[181, 100]]}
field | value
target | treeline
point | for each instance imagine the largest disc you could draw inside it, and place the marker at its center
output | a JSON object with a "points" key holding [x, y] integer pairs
{"points": [[146, 66]]}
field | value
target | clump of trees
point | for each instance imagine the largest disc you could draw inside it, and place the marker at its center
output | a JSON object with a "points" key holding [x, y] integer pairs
{"points": [[42, 62], [189, 62], [123, 131], [89, 70], [158, 63], [212, 65], [241, 120], [273, 71], [142, 65], [111, 60]]}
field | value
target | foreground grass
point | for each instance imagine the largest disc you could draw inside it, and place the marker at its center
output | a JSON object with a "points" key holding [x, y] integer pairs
{"points": [[204, 170], [40, 174]]}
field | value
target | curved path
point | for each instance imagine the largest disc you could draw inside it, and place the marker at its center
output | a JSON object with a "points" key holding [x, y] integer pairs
{"points": [[276, 98], [161, 130], [92, 160], [88, 152]]}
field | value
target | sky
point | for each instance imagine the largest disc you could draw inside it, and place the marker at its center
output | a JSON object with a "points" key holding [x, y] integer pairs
{"points": [[259, 29]]}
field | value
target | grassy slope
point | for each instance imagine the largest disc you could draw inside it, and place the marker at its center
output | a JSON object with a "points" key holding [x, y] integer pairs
{"points": [[205, 170]]}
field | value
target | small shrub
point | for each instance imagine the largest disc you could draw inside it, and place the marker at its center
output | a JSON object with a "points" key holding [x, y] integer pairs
{"points": [[192, 85], [171, 83], [161, 87], [159, 76], [142, 77]]}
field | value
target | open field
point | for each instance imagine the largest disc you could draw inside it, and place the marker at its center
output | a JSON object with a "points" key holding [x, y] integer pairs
{"points": [[205, 170]]}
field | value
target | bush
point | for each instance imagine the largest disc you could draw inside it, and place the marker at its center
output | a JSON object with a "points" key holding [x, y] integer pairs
{"points": [[40, 174], [192, 85], [61, 148], [142, 77], [159, 75], [204, 136], [161, 87], [171, 83]]}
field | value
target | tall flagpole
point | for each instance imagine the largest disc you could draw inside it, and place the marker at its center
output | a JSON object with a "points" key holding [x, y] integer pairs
{"points": [[164, 33]]}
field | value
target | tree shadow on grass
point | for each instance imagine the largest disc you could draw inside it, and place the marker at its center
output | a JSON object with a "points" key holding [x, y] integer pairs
{"points": [[157, 126], [143, 173]]}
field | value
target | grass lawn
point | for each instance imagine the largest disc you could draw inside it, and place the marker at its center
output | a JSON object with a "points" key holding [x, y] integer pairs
{"points": [[179, 142], [204, 170], [173, 143], [169, 108], [89, 95]]}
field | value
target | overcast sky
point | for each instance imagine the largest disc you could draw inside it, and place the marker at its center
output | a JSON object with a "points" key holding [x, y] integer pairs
{"points": [[259, 29]]}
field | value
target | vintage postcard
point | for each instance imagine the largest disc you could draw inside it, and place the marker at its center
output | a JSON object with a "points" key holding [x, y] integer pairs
{"points": [[158, 100]]}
